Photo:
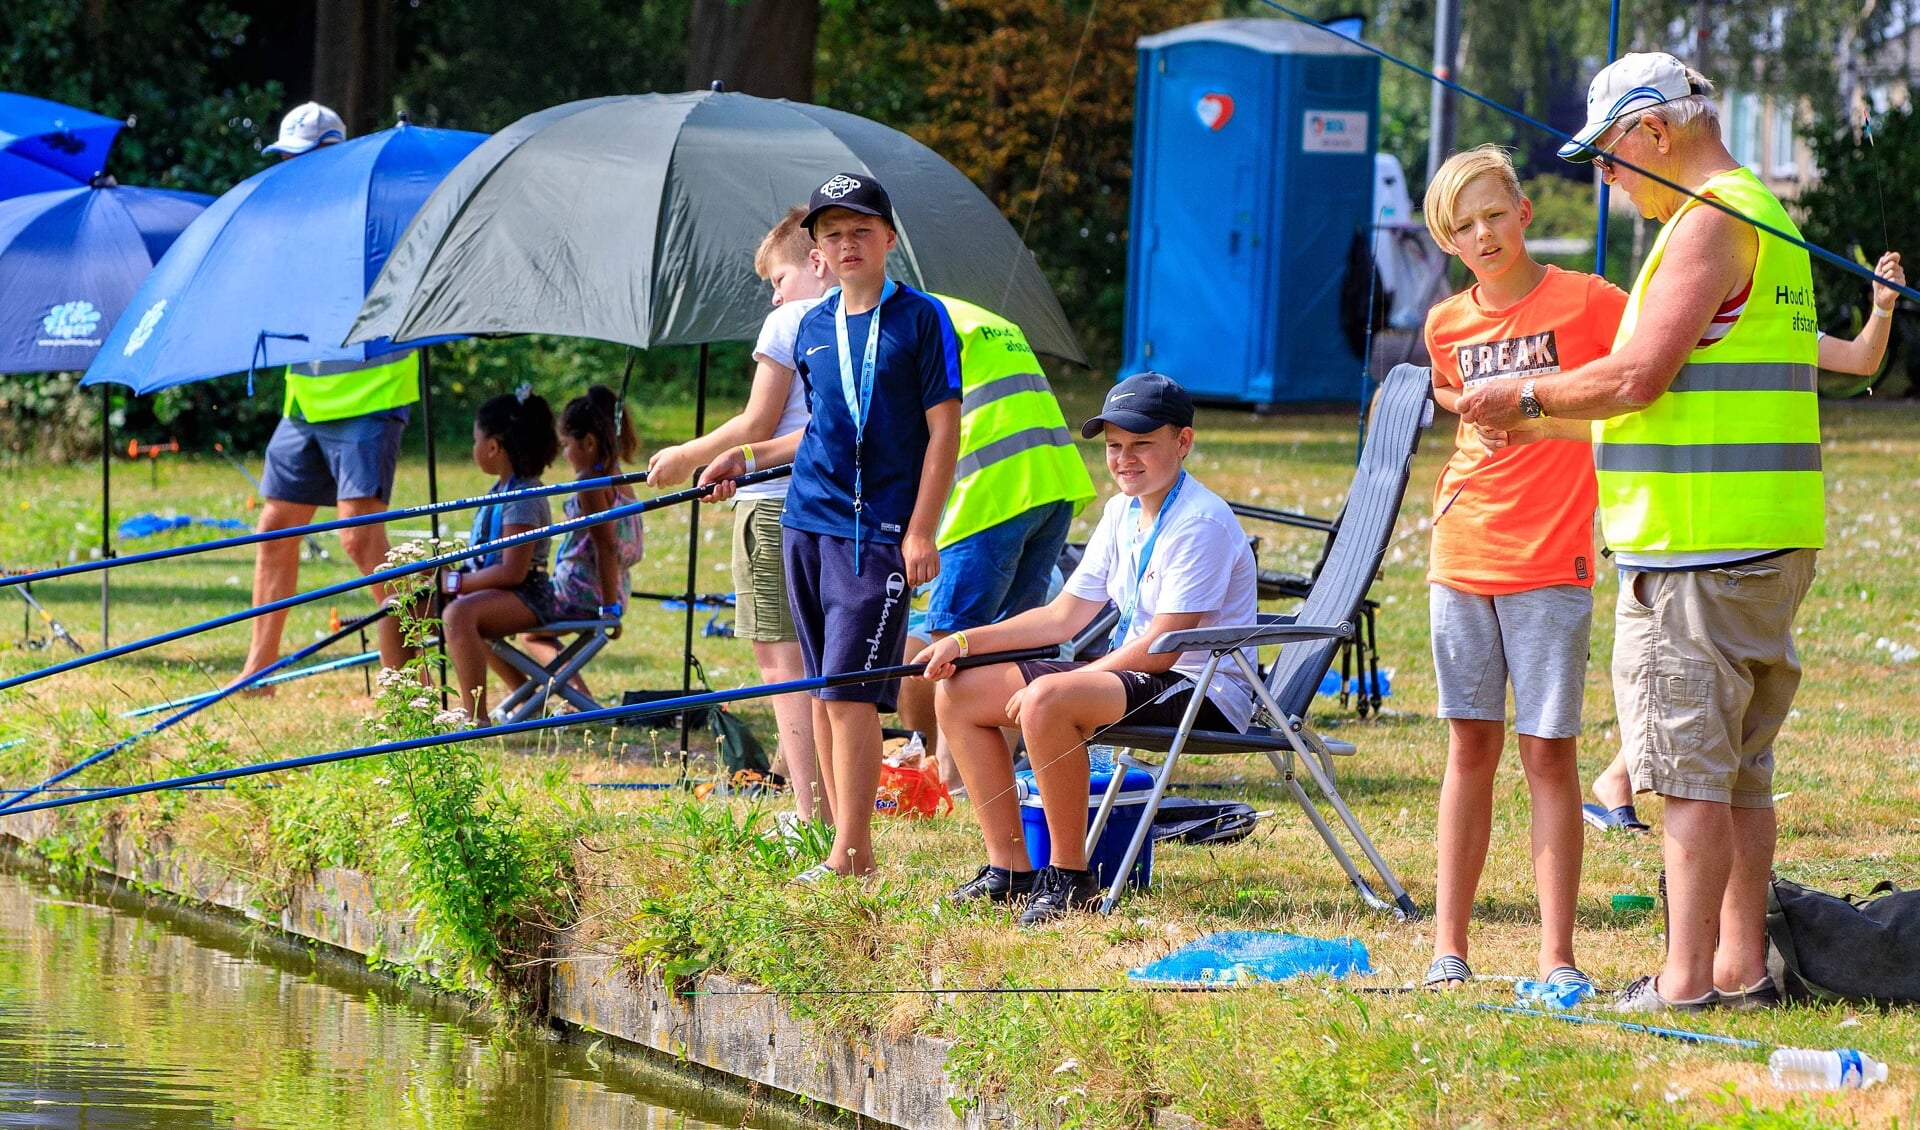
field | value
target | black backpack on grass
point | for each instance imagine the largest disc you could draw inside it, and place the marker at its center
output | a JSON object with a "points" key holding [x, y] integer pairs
{"points": [[1853, 949]]}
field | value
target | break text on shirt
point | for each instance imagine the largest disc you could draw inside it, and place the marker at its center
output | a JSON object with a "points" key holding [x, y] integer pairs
{"points": [[1529, 356]]}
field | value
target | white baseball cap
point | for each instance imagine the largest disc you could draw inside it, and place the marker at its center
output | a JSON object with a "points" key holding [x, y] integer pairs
{"points": [[308, 126], [1633, 82]]}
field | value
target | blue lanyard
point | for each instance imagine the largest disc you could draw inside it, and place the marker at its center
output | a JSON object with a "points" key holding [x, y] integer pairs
{"points": [[860, 397], [486, 524], [1146, 555]]}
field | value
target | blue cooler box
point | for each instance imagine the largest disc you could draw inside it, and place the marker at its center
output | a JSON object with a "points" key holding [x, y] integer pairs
{"points": [[1114, 838]]}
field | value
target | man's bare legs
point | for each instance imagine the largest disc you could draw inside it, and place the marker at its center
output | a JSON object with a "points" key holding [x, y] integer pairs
{"points": [[1741, 960], [1700, 851], [276, 573]]}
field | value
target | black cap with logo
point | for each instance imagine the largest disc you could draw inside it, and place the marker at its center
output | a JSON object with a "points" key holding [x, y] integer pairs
{"points": [[856, 192], [1142, 403]]}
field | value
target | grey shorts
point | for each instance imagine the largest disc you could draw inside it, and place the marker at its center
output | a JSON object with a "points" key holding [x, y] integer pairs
{"points": [[1537, 639], [760, 610], [320, 464]]}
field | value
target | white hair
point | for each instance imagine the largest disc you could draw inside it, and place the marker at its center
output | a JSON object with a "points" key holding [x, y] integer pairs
{"points": [[1683, 113]]}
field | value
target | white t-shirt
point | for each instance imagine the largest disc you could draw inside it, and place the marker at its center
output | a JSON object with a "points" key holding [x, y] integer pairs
{"points": [[1201, 563], [775, 346]]}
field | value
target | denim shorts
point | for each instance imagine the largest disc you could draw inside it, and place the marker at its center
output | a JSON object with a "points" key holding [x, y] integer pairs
{"points": [[320, 464], [999, 572]]}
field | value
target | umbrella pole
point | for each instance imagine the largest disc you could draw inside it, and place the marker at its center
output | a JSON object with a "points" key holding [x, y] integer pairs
{"points": [[433, 488], [693, 556], [106, 499]]}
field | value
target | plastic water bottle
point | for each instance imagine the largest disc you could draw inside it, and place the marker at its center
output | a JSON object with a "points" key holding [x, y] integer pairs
{"points": [[1802, 1069]]}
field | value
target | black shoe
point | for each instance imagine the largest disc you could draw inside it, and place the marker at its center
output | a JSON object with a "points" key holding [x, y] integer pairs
{"points": [[994, 884], [1761, 994], [1058, 892]]}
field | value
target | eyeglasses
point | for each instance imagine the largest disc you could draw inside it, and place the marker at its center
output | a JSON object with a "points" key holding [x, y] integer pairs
{"points": [[1604, 154]]}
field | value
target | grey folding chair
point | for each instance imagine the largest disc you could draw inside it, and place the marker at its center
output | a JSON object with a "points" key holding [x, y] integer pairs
{"points": [[545, 680], [1401, 410]]}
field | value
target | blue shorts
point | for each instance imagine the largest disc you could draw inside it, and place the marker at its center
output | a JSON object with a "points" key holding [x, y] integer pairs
{"points": [[320, 464], [999, 572], [847, 622]]}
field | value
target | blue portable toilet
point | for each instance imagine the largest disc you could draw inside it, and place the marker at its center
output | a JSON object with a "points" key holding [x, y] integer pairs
{"points": [[1253, 153]]}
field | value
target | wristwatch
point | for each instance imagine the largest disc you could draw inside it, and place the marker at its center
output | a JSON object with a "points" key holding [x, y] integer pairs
{"points": [[450, 582], [1529, 407]]}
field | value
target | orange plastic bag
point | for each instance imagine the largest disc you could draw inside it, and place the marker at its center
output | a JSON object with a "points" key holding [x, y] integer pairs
{"points": [[912, 788]]}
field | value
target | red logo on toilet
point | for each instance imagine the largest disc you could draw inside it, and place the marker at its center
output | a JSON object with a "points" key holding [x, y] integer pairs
{"points": [[1215, 110]]}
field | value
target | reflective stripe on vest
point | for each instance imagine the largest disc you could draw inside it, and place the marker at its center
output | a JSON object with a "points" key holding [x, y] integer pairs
{"points": [[1016, 452], [340, 390], [1729, 457]]}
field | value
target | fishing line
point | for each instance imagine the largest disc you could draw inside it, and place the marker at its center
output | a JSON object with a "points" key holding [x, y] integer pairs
{"points": [[1873, 159], [1840, 261], [376, 518], [1683, 1034], [612, 514], [1040, 180]]}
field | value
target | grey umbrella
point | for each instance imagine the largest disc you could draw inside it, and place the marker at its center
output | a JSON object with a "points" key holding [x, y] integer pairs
{"points": [[634, 219]]}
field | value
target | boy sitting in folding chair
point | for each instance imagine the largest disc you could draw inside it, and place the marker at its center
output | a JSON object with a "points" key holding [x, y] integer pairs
{"points": [[590, 581], [1170, 554]]}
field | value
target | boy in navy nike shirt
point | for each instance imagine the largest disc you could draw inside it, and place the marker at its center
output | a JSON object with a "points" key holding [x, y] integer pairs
{"points": [[872, 471]]}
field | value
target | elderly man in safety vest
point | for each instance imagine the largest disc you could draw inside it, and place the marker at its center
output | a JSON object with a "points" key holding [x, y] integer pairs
{"points": [[1706, 438], [337, 444]]}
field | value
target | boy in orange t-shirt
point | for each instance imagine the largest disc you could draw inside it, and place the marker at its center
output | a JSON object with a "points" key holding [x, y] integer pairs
{"points": [[1512, 565]]}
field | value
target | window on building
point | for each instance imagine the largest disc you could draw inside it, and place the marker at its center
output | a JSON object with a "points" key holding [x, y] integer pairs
{"points": [[1780, 142], [1746, 131]]}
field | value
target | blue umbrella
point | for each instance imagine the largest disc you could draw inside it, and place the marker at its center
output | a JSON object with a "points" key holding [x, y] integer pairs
{"points": [[275, 271], [46, 145], [69, 262]]}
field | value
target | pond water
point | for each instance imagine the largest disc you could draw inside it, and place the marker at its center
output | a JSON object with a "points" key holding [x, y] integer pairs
{"points": [[114, 1014]]}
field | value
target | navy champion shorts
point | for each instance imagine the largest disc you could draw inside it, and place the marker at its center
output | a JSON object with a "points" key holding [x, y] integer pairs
{"points": [[847, 622]]}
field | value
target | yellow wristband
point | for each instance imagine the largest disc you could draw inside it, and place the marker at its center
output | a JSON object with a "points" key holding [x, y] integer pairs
{"points": [[1882, 311], [746, 452], [961, 639]]}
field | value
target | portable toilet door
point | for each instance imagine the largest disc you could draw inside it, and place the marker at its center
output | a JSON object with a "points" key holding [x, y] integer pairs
{"points": [[1242, 214]]}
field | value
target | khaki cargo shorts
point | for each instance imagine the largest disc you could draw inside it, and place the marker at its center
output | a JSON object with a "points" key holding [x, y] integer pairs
{"points": [[1704, 672], [760, 609]]}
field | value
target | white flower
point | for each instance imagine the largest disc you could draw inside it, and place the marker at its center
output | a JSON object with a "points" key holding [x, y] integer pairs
{"points": [[455, 718], [390, 677]]}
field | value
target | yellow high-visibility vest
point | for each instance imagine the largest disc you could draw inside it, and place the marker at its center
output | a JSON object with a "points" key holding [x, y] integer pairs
{"points": [[1015, 450], [1729, 456], [334, 390]]}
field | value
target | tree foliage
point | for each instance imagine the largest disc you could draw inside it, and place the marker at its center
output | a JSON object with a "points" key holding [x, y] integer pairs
{"points": [[1861, 206]]}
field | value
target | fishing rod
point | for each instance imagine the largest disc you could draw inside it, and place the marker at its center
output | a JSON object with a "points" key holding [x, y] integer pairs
{"points": [[1837, 260], [1625, 1026], [194, 708], [583, 718], [422, 510], [54, 626], [612, 514], [342, 664], [313, 543]]}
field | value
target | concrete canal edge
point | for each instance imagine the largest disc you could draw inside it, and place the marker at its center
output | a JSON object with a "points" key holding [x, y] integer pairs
{"points": [[752, 1040]]}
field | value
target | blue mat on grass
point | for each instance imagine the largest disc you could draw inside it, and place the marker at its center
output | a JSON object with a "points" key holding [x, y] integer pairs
{"points": [[1247, 957]]}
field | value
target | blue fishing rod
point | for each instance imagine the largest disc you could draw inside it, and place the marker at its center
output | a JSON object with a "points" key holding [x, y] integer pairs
{"points": [[612, 514], [613, 714], [1837, 260], [203, 703], [341, 664], [238, 540]]}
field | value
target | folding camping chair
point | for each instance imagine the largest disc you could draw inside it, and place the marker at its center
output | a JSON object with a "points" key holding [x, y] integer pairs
{"points": [[1360, 652], [1401, 410], [544, 680]]}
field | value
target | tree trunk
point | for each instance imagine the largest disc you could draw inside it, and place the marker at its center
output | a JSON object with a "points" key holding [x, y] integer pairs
{"points": [[762, 47], [353, 61]]}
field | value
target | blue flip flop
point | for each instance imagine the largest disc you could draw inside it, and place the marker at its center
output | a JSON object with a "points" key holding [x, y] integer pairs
{"points": [[1621, 819]]}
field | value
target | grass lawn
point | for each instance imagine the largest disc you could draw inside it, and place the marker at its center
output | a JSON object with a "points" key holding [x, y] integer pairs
{"points": [[693, 885]]}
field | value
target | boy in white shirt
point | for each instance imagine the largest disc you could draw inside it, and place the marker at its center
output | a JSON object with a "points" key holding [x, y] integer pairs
{"points": [[1171, 555], [776, 406]]}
